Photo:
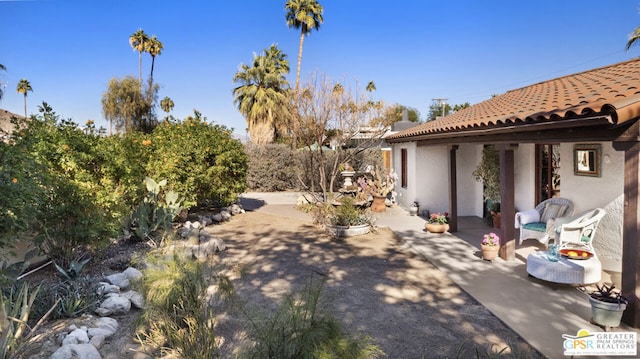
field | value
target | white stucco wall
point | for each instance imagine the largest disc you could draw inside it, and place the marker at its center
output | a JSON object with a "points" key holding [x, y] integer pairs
{"points": [[605, 192], [469, 190], [525, 176], [405, 196], [432, 178]]}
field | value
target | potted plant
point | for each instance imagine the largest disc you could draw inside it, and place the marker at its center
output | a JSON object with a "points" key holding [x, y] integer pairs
{"points": [[437, 222], [414, 208], [607, 305], [346, 219], [488, 172], [378, 187], [490, 246]]}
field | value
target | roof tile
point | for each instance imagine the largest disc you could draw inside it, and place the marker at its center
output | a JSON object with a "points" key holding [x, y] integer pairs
{"points": [[579, 94]]}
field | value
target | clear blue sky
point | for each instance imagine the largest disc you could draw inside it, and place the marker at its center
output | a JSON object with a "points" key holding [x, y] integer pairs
{"points": [[414, 51]]}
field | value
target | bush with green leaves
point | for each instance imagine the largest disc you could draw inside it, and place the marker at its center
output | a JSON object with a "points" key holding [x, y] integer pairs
{"points": [[346, 213], [67, 209], [201, 161]]}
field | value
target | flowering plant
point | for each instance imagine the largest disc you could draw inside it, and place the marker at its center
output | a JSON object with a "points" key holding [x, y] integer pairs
{"points": [[378, 185], [491, 239], [439, 218]]}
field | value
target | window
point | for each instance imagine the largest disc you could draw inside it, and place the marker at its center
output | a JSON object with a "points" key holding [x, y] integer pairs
{"points": [[403, 169]]}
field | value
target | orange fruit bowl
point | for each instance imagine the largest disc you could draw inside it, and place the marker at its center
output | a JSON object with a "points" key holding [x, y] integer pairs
{"points": [[576, 253]]}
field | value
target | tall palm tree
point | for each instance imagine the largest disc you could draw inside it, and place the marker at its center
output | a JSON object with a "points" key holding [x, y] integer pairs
{"points": [[262, 94], [2, 68], [633, 37], [167, 104], [154, 49], [305, 15], [139, 42], [371, 86], [23, 87]]}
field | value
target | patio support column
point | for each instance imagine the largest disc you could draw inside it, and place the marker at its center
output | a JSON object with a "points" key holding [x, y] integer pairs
{"points": [[453, 189], [631, 227], [507, 202]]}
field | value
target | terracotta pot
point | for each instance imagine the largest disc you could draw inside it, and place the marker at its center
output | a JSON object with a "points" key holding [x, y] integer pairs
{"points": [[496, 219], [490, 253], [378, 204], [436, 227]]}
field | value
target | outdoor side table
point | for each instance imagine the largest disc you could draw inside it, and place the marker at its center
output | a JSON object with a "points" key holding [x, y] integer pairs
{"points": [[567, 271]]}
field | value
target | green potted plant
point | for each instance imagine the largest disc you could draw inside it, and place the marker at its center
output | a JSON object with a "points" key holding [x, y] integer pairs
{"points": [[488, 172], [347, 219], [607, 305], [378, 186]]}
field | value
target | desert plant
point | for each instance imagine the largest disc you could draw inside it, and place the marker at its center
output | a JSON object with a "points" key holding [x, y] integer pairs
{"points": [[155, 213], [301, 327], [488, 172], [177, 319]]}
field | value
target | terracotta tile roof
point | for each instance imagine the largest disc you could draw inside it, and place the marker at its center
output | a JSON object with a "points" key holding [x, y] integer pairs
{"points": [[612, 90]]}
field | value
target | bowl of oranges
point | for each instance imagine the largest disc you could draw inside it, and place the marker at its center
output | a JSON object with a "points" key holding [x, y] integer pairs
{"points": [[576, 253]]}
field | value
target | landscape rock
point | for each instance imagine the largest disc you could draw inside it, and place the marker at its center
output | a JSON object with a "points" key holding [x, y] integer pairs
{"points": [[226, 215], [235, 209], [217, 217], [77, 336], [119, 279], [106, 288], [132, 273], [92, 332], [108, 323], [76, 351], [97, 341], [136, 299], [103, 312], [117, 305]]}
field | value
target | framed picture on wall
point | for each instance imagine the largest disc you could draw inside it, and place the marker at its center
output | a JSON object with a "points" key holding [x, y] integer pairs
{"points": [[587, 160]]}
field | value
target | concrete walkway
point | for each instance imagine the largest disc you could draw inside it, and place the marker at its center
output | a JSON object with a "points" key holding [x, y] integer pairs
{"points": [[538, 311]]}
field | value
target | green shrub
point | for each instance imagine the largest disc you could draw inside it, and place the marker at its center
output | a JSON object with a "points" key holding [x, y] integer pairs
{"points": [[347, 213], [201, 161]]}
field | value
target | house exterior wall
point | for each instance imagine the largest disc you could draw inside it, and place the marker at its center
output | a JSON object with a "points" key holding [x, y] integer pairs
{"points": [[470, 201], [405, 196], [432, 179], [525, 177], [607, 192]]}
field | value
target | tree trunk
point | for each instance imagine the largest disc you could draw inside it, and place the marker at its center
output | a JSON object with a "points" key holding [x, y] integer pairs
{"points": [[25, 105], [299, 59], [140, 67]]}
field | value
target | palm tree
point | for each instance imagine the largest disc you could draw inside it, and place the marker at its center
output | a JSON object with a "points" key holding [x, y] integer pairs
{"points": [[633, 37], [262, 94], [305, 15], [23, 87], [167, 105], [2, 68], [139, 42], [154, 49], [371, 86]]}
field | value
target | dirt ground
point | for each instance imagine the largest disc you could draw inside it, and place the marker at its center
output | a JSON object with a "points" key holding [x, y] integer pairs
{"points": [[377, 288]]}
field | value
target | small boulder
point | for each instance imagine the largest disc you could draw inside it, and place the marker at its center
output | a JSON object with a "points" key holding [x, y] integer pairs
{"points": [[132, 273], [137, 300], [117, 305]]}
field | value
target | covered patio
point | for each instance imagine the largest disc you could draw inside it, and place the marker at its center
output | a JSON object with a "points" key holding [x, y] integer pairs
{"points": [[599, 107]]}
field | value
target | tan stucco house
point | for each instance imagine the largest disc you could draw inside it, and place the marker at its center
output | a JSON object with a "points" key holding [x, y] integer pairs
{"points": [[540, 130]]}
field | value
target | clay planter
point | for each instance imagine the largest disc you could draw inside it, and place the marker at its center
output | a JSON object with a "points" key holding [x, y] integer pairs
{"points": [[378, 204], [436, 227], [490, 253]]}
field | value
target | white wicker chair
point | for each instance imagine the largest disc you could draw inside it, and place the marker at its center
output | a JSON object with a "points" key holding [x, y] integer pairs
{"points": [[579, 231], [538, 225]]}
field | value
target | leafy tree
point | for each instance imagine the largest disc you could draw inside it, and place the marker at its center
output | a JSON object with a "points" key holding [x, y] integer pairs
{"points": [[262, 94], [23, 87], [139, 41], [154, 48], [394, 113], [2, 68], [305, 15], [436, 109], [371, 86], [128, 106]]}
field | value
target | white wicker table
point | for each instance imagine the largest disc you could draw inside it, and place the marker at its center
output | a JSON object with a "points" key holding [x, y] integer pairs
{"points": [[567, 271]]}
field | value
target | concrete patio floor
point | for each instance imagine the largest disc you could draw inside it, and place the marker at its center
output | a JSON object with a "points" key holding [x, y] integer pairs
{"points": [[540, 312]]}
